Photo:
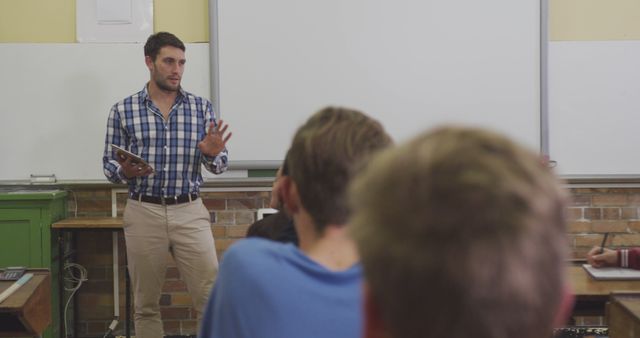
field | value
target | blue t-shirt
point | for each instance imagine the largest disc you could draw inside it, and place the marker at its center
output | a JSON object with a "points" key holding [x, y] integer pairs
{"points": [[268, 289]]}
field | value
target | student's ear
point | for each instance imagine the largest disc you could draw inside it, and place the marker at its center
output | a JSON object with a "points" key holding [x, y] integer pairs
{"points": [[373, 324], [289, 195], [565, 307]]}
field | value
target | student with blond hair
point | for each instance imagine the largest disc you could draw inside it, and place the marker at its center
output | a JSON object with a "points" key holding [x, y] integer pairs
{"points": [[461, 233]]}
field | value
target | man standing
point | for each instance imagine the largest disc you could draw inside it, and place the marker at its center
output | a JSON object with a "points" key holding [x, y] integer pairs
{"points": [[175, 132]]}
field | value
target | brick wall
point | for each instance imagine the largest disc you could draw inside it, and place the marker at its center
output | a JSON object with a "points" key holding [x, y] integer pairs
{"points": [[231, 214], [593, 211]]}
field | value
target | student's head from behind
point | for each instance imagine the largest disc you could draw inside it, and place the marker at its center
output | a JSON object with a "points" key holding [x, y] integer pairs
{"points": [[325, 154], [461, 234]]}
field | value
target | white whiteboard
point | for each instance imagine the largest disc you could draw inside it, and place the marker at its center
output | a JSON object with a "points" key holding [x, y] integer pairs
{"points": [[594, 107], [56, 99], [411, 64]]}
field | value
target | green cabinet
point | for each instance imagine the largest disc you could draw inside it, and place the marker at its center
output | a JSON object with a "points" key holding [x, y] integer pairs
{"points": [[26, 238]]}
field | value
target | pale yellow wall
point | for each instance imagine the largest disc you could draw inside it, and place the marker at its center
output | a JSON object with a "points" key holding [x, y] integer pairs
{"points": [[54, 20], [576, 20], [188, 19], [37, 20]]}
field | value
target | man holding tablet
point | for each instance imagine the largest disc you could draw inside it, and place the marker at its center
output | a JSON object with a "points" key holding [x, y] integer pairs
{"points": [[175, 133]]}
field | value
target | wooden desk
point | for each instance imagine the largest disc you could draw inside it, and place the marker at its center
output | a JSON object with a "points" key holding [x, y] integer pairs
{"points": [[27, 312], [89, 223], [623, 315], [592, 295], [113, 224]]}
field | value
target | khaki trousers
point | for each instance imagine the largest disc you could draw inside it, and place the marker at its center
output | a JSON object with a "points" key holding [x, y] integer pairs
{"points": [[151, 231]]}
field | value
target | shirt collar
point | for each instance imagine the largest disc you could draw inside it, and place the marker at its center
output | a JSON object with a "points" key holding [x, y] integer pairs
{"points": [[182, 94]]}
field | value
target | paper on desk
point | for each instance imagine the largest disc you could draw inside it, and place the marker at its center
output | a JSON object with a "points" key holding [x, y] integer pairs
{"points": [[611, 273]]}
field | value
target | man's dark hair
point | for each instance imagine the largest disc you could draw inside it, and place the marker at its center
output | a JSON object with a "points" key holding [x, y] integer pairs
{"points": [[158, 40]]}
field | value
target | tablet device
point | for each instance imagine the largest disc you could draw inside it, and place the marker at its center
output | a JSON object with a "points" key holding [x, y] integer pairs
{"points": [[123, 154]]}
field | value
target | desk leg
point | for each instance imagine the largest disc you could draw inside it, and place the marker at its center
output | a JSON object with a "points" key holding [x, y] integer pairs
{"points": [[127, 297], [61, 260]]}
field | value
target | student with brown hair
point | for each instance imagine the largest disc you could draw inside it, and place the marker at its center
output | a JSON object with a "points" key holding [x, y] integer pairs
{"points": [[272, 290], [461, 234]]}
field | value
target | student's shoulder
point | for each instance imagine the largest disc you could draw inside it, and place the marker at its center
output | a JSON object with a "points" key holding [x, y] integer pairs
{"points": [[254, 248], [254, 256]]}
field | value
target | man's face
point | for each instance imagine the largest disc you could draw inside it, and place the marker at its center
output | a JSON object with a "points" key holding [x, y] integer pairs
{"points": [[166, 70]]}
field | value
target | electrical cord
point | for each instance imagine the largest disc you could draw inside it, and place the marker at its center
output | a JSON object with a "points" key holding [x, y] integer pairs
{"points": [[75, 280]]}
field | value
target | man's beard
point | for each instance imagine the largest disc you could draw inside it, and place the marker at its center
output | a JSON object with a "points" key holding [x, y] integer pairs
{"points": [[164, 86]]}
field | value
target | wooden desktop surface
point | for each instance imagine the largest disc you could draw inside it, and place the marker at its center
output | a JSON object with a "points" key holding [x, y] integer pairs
{"points": [[89, 223], [585, 287], [27, 311]]}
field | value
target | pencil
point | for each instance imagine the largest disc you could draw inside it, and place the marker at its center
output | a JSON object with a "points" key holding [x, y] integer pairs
{"points": [[604, 240]]}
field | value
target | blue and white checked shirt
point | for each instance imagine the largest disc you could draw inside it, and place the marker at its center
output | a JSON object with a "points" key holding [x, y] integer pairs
{"points": [[170, 147]]}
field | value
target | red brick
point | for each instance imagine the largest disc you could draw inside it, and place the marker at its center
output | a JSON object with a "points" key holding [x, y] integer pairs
{"points": [[245, 217], [574, 214], [214, 204], [224, 243], [237, 231], [225, 217], [611, 213], [82, 194], [579, 227], [580, 200], [634, 199], [96, 327], [629, 213], [172, 273], [634, 226], [165, 299], [219, 231], [626, 240], [189, 327], [171, 327], [175, 312], [174, 286], [93, 286], [82, 328], [609, 226], [609, 199], [238, 194], [580, 253], [593, 213], [242, 204], [103, 193], [98, 273], [95, 205], [587, 240], [181, 299]]}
